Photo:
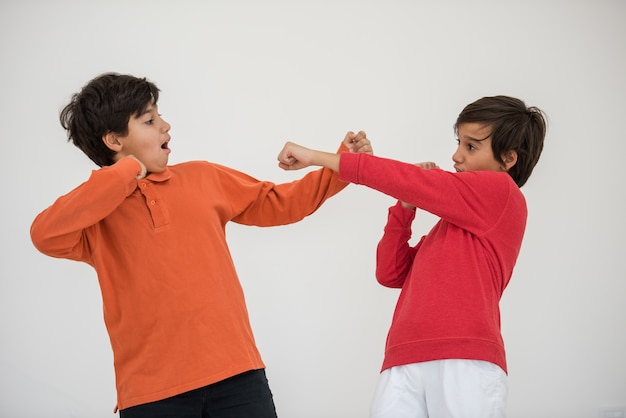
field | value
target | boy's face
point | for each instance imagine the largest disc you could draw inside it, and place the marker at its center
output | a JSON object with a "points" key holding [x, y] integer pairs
{"points": [[147, 140], [474, 152]]}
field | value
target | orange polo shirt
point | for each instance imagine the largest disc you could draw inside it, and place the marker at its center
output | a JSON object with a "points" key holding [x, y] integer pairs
{"points": [[173, 304]]}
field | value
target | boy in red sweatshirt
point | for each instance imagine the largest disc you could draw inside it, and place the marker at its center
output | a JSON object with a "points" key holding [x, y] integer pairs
{"points": [[444, 354], [155, 234]]}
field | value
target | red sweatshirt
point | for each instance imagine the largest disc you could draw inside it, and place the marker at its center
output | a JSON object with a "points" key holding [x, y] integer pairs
{"points": [[173, 305], [453, 279]]}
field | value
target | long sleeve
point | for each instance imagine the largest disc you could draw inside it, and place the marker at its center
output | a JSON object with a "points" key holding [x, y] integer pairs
{"points": [[58, 230], [457, 198], [394, 255], [269, 204]]}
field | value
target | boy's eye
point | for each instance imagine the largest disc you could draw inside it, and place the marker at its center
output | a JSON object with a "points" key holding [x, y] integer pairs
{"points": [[151, 120]]}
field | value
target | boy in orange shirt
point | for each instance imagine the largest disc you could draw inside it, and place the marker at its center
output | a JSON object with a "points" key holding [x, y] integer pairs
{"points": [[155, 234]]}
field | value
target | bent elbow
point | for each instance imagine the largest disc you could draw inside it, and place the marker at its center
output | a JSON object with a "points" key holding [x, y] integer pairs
{"points": [[53, 245], [391, 281]]}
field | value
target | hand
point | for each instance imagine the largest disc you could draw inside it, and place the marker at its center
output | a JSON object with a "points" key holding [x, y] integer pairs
{"points": [[358, 142], [294, 157], [143, 172], [427, 166]]}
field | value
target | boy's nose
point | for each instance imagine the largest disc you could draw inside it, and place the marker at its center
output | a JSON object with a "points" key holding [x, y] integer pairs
{"points": [[456, 157]]}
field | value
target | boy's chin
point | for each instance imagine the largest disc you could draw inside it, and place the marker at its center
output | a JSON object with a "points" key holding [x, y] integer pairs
{"points": [[157, 168]]}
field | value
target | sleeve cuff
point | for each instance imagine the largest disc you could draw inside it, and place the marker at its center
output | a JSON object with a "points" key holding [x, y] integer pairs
{"points": [[348, 166]]}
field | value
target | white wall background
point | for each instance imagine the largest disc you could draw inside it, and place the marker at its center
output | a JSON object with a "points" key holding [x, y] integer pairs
{"points": [[239, 78]]}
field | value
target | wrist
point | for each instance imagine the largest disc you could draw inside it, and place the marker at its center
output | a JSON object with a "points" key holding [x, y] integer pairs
{"points": [[142, 168], [327, 159], [142, 172]]}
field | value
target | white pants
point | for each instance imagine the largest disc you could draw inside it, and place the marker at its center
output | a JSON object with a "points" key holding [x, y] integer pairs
{"points": [[441, 389]]}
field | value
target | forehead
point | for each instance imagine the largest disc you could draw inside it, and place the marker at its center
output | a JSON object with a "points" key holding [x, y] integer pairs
{"points": [[474, 130], [150, 108]]}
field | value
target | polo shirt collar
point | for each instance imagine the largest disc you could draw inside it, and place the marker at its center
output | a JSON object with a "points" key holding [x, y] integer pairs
{"points": [[159, 177]]}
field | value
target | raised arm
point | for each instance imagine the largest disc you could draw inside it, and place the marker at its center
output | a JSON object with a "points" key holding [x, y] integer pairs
{"points": [[296, 157], [58, 230], [394, 255]]}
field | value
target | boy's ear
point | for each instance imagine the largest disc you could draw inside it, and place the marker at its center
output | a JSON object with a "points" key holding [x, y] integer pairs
{"points": [[509, 158], [111, 141]]}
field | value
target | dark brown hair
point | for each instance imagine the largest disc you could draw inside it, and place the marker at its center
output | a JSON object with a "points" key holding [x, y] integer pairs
{"points": [[514, 127], [105, 104]]}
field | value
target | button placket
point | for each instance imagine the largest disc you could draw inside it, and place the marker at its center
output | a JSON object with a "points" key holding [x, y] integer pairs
{"points": [[158, 211]]}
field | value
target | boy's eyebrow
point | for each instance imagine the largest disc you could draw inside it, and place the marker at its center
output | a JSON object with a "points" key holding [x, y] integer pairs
{"points": [[469, 138], [149, 109]]}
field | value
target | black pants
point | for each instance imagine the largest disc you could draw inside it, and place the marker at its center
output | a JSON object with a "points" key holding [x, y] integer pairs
{"points": [[246, 395]]}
